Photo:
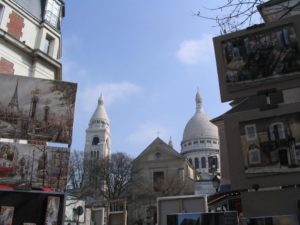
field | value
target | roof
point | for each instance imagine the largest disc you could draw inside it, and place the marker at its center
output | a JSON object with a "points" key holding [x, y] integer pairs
{"points": [[199, 126], [163, 146]]}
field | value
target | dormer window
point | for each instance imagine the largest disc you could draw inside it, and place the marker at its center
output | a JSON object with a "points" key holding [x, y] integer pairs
{"points": [[52, 12]]}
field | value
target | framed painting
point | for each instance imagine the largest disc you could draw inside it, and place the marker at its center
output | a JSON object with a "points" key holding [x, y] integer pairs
{"points": [[6, 215]]}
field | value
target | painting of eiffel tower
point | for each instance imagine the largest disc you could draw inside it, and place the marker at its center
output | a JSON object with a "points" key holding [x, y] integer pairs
{"points": [[36, 109], [13, 105]]}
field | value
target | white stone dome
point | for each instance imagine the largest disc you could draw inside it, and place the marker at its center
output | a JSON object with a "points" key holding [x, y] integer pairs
{"points": [[199, 126]]}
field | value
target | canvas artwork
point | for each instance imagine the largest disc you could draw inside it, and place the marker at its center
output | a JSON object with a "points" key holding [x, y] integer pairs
{"points": [[279, 10], [33, 165], [271, 145], [29, 223], [52, 210], [271, 220], [259, 57], [36, 109], [6, 215]]}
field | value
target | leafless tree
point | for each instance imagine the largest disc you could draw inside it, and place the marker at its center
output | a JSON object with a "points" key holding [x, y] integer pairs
{"points": [[98, 178], [233, 15], [75, 174]]}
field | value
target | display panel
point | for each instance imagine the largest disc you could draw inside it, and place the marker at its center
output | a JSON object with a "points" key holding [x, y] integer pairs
{"points": [[271, 220], [218, 218], [271, 145], [30, 208], [36, 109], [33, 165], [259, 59]]}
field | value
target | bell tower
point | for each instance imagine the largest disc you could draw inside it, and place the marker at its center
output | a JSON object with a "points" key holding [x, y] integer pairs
{"points": [[98, 137]]}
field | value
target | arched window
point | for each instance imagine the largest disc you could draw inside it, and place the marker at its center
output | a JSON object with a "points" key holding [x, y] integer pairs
{"points": [[203, 162], [191, 161], [196, 163], [95, 141]]}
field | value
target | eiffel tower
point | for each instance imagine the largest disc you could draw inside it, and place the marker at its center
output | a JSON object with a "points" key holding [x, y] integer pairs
{"points": [[13, 105]]}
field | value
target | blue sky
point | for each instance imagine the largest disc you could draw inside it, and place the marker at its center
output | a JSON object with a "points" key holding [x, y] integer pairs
{"points": [[147, 58]]}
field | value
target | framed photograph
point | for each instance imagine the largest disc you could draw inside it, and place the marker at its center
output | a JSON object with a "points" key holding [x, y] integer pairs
{"points": [[260, 59], [53, 205], [6, 215], [36, 109]]}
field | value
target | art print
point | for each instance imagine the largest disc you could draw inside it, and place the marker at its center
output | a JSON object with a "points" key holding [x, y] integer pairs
{"points": [[52, 210], [33, 165], [6, 215], [36, 109]]}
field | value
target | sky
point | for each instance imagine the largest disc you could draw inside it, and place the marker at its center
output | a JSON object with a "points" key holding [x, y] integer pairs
{"points": [[148, 59]]}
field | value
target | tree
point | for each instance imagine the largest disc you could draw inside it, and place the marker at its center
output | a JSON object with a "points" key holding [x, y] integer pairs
{"points": [[98, 179], [75, 174], [116, 173], [233, 15]]}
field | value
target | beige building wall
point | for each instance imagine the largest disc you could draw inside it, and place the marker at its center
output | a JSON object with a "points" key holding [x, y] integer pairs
{"points": [[36, 51]]}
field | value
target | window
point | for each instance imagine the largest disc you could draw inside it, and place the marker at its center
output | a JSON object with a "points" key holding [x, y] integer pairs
{"points": [[250, 131], [52, 12], [191, 161], [203, 162], [157, 155], [277, 131], [195, 142], [158, 180], [254, 154], [196, 163], [49, 45], [213, 163], [202, 141], [95, 141]]}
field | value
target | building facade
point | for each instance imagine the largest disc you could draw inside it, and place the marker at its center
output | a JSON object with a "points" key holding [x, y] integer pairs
{"points": [[30, 38], [158, 171], [200, 145]]}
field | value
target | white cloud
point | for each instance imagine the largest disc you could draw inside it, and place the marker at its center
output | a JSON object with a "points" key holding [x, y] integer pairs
{"points": [[147, 132], [111, 92], [195, 51]]}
